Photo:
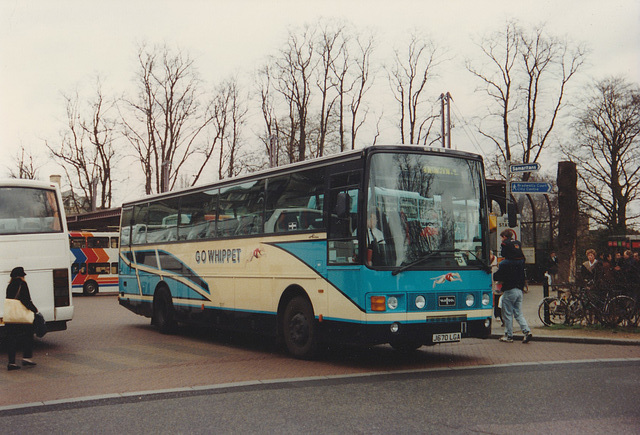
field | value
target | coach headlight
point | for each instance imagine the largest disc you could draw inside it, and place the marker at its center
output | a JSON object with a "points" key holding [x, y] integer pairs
{"points": [[486, 299], [392, 302], [470, 300], [420, 302]]}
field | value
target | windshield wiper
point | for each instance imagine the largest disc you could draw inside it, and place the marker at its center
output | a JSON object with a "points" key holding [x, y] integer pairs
{"points": [[485, 266], [430, 254], [425, 257]]}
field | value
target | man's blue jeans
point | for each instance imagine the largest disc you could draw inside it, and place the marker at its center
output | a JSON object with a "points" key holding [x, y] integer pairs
{"points": [[512, 308]]}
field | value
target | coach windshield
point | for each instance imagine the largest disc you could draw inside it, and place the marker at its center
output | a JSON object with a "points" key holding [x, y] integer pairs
{"points": [[424, 211]]}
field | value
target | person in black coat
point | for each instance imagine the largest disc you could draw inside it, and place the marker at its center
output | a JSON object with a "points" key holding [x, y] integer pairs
{"points": [[591, 270], [511, 274], [19, 333]]}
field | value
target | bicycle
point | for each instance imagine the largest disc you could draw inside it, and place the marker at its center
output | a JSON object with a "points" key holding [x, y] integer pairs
{"points": [[553, 310], [608, 304], [589, 304]]}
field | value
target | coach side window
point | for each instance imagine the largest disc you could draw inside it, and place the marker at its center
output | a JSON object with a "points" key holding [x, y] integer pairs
{"points": [[241, 209], [163, 221], [198, 213], [139, 224], [294, 202], [125, 229]]}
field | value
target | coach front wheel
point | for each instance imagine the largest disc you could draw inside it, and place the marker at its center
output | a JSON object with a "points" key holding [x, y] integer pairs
{"points": [[299, 328], [163, 312], [90, 288]]}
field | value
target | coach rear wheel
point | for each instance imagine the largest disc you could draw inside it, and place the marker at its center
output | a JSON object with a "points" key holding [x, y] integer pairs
{"points": [[299, 328], [163, 312], [90, 288]]}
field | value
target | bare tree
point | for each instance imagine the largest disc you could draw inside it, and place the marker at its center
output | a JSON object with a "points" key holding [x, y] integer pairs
{"points": [[606, 153], [408, 77], [549, 65], [25, 165], [526, 76], [236, 112], [353, 81], [167, 116], [340, 68], [309, 89], [271, 135], [362, 82], [501, 52], [86, 150], [332, 42], [293, 70]]}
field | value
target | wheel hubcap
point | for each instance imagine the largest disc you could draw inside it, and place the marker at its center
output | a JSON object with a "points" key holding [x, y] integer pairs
{"points": [[299, 329]]}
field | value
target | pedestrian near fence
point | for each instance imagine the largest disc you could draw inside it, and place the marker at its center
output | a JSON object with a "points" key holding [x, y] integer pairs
{"points": [[512, 276]]}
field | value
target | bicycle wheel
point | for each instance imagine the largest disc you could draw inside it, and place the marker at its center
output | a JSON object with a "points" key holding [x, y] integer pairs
{"points": [[556, 309], [620, 310], [576, 312]]}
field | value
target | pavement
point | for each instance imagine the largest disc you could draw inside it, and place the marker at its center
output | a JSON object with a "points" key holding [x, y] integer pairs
{"points": [[108, 352], [540, 332]]}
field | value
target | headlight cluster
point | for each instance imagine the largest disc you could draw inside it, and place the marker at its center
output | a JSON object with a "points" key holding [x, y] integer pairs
{"points": [[384, 303], [470, 300], [391, 303]]}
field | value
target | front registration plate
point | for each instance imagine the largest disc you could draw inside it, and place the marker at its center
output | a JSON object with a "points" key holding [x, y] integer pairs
{"points": [[444, 338]]}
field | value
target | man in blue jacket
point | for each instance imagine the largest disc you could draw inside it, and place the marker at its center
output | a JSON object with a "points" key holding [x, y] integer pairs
{"points": [[511, 273]]}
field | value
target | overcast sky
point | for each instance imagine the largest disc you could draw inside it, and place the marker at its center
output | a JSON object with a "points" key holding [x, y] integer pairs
{"points": [[48, 47]]}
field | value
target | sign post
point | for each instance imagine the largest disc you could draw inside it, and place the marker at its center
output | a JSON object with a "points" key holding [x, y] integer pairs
{"points": [[522, 187]]}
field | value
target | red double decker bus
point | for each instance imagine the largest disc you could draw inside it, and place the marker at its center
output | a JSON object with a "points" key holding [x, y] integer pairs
{"points": [[94, 261]]}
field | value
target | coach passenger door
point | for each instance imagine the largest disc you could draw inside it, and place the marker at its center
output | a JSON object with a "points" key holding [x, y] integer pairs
{"points": [[343, 254]]}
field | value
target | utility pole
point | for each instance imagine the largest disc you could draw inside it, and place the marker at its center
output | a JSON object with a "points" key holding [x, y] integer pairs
{"points": [[445, 120], [164, 178], [273, 146], [94, 194]]}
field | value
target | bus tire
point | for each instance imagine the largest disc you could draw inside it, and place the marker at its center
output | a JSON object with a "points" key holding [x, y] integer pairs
{"points": [[90, 288], [299, 328], [164, 317]]}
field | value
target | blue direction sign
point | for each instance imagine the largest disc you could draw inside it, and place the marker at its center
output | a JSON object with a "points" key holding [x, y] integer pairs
{"points": [[525, 167], [530, 187]]}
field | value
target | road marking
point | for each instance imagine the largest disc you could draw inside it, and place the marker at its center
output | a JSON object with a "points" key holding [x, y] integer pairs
{"points": [[33, 406]]}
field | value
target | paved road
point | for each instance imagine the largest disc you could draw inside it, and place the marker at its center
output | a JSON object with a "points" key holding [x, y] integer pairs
{"points": [[548, 398], [111, 351]]}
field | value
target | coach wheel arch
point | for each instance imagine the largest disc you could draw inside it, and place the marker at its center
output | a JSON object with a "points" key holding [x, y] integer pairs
{"points": [[290, 293], [90, 288], [296, 323], [164, 316]]}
